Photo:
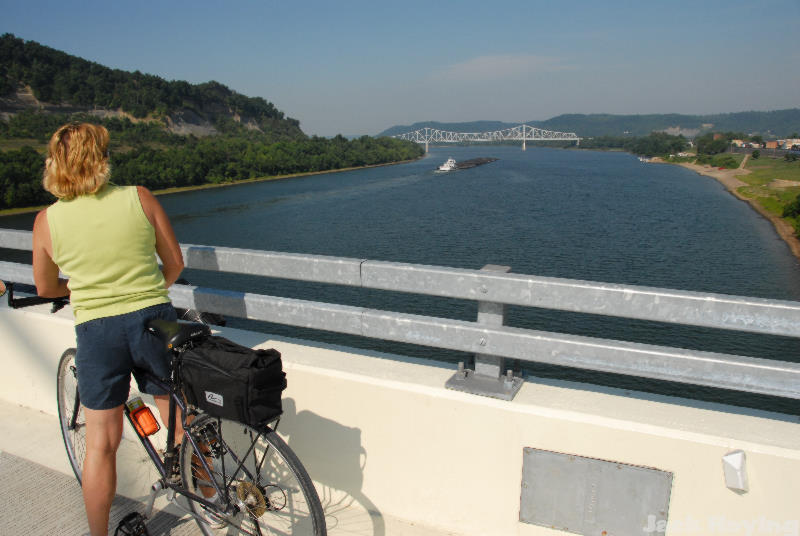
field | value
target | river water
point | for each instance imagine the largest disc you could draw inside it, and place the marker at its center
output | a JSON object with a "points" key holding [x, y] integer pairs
{"points": [[597, 216]]}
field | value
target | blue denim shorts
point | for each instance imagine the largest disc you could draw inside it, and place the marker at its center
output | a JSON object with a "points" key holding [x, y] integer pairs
{"points": [[111, 348]]}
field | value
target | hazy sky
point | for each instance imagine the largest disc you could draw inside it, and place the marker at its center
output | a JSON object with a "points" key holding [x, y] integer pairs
{"points": [[354, 67]]}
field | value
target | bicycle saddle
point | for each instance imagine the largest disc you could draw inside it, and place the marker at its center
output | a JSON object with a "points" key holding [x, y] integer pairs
{"points": [[175, 334]]}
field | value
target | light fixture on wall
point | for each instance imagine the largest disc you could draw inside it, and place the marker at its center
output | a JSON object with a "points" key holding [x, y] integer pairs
{"points": [[734, 465]]}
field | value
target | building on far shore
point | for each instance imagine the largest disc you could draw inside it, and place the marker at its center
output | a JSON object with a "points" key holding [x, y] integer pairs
{"points": [[789, 143], [785, 144], [679, 131], [742, 144]]}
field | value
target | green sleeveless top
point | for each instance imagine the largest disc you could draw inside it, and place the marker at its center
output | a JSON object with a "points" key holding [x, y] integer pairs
{"points": [[105, 244]]}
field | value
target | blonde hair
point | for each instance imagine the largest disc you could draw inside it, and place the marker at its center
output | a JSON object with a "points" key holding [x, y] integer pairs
{"points": [[77, 160]]}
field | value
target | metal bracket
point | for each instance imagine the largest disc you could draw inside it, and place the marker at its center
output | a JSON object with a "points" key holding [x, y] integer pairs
{"points": [[505, 387], [487, 379]]}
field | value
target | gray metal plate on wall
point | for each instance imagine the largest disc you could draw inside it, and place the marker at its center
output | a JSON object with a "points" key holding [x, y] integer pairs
{"points": [[592, 497]]}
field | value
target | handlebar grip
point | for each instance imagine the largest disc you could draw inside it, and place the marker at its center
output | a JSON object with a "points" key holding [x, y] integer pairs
{"points": [[16, 303]]}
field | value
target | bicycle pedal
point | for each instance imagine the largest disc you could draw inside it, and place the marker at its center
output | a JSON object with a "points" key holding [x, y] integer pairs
{"points": [[132, 524]]}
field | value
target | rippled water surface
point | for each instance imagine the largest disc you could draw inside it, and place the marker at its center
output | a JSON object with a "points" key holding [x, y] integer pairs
{"points": [[574, 214]]}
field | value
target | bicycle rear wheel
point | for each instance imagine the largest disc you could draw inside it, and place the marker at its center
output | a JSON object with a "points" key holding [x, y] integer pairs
{"points": [[271, 491], [70, 412]]}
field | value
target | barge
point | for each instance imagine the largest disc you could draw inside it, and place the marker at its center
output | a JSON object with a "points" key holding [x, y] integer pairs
{"points": [[452, 165]]}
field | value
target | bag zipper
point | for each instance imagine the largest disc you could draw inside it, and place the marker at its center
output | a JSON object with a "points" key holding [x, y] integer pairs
{"points": [[209, 365]]}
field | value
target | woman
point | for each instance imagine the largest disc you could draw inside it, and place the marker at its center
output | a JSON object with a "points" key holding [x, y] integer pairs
{"points": [[104, 238]]}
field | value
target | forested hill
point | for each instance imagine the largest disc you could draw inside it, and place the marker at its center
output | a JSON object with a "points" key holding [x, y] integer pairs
{"points": [[46, 79], [773, 124], [163, 134]]}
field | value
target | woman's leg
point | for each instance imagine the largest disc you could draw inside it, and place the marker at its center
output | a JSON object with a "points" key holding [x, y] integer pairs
{"points": [[103, 434], [162, 403]]}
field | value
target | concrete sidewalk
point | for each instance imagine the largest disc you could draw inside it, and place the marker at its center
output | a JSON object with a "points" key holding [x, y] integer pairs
{"points": [[38, 500], [41, 495]]}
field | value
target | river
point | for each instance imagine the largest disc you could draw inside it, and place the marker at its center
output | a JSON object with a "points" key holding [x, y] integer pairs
{"points": [[598, 216]]}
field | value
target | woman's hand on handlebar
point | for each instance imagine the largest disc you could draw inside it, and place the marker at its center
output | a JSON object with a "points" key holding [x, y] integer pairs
{"points": [[15, 303]]}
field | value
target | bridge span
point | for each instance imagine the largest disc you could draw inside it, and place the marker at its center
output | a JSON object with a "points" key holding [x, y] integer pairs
{"points": [[522, 133], [404, 445]]}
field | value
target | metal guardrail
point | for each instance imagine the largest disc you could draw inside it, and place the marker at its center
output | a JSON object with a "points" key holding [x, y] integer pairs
{"points": [[488, 338]]}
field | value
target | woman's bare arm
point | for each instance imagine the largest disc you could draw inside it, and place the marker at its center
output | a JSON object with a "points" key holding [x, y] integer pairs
{"points": [[45, 271], [167, 245]]}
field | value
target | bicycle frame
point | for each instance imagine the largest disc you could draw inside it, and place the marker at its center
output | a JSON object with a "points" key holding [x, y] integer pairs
{"points": [[166, 465]]}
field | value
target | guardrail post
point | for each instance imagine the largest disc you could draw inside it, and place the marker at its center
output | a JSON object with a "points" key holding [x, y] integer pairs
{"points": [[489, 377]]}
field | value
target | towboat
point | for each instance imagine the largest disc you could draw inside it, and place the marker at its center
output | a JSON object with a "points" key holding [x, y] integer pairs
{"points": [[450, 165]]}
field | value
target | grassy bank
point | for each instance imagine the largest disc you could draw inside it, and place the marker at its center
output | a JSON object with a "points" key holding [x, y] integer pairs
{"points": [[772, 182]]}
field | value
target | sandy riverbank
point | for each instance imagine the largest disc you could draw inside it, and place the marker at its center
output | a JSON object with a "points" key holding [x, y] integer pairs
{"points": [[729, 178]]}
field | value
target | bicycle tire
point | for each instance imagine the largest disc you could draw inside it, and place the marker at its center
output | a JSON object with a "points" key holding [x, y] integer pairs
{"points": [[278, 495], [67, 396]]}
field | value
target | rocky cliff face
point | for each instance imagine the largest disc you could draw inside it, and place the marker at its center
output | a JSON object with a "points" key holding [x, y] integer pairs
{"points": [[24, 99], [187, 122], [183, 122]]}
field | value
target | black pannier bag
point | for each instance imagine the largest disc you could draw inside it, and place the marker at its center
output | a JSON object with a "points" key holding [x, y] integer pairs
{"points": [[232, 381]]}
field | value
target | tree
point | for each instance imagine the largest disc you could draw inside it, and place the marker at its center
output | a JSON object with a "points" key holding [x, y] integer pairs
{"points": [[792, 209], [706, 144], [756, 154]]}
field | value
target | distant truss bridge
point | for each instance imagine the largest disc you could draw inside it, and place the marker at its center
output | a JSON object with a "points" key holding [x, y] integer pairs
{"points": [[520, 133]]}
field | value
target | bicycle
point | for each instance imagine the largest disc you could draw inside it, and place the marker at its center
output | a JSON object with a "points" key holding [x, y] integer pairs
{"points": [[237, 479]]}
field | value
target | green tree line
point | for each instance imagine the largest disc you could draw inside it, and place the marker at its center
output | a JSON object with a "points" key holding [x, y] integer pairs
{"points": [[719, 142], [657, 143], [218, 159], [40, 126], [228, 159]]}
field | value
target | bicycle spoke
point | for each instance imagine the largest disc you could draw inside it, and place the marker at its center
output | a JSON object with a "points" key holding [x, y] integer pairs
{"points": [[244, 458], [271, 493]]}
